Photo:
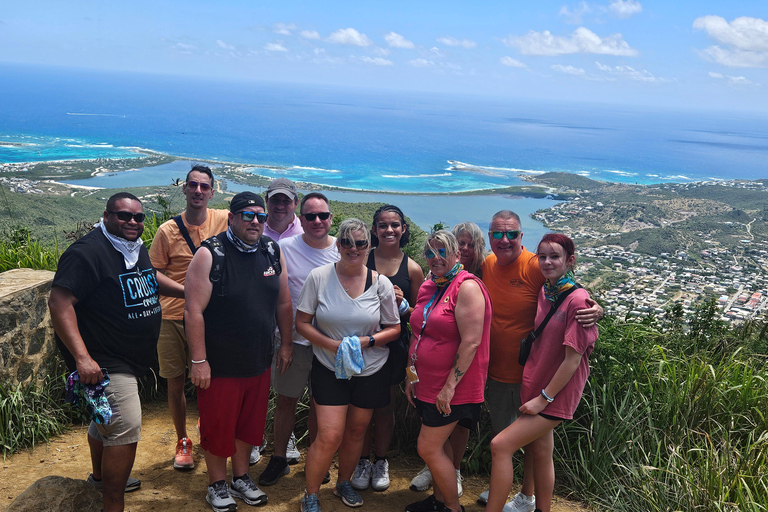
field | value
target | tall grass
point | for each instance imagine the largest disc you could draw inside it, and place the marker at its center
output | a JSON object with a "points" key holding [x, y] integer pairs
{"points": [[19, 250]]}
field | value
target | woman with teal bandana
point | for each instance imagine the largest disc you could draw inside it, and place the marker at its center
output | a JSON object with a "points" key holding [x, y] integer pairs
{"points": [[553, 377], [448, 363]]}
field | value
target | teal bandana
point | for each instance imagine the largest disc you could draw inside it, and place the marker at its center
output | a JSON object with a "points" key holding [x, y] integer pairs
{"points": [[552, 292]]}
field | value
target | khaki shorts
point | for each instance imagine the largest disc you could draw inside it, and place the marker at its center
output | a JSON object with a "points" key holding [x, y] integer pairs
{"points": [[504, 403], [125, 425], [295, 380], [172, 349]]}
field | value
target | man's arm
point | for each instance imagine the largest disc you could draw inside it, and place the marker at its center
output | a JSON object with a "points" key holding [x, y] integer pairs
{"points": [[168, 286], [197, 291], [589, 317], [284, 316], [62, 302]]}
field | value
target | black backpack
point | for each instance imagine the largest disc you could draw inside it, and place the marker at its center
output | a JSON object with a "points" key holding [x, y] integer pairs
{"points": [[267, 246]]}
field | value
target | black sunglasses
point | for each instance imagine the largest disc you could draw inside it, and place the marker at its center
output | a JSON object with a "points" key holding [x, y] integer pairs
{"points": [[312, 216], [346, 243], [249, 216], [205, 187], [127, 216]]}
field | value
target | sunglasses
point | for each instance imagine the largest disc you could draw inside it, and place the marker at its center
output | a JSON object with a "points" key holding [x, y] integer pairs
{"points": [[312, 216], [511, 235], [346, 243], [429, 253], [249, 216], [127, 216], [205, 187]]}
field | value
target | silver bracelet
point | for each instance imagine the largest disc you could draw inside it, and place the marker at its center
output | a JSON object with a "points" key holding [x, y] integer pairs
{"points": [[198, 362]]}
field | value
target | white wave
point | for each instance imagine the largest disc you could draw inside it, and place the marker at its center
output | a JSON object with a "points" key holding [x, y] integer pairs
{"points": [[303, 168], [403, 177], [653, 175], [90, 114], [621, 173], [678, 177], [455, 165], [583, 173]]}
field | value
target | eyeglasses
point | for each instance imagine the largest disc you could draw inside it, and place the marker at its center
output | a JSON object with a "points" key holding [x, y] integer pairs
{"points": [[346, 243], [312, 216], [249, 216], [127, 216], [205, 187], [429, 253], [498, 235]]}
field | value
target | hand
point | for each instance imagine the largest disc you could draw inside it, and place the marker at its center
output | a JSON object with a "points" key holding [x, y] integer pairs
{"points": [[284, 357], [89, 371], [535, 406], [588, 317], [443, 400], [409, 392], [398, 294], [201, 375]]}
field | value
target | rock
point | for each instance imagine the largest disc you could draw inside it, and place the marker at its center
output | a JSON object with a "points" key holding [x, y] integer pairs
{"points": [[58, 494]]}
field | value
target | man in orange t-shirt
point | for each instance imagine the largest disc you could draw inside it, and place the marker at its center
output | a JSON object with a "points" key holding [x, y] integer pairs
{"points": [[170, 254], [513, 279]]}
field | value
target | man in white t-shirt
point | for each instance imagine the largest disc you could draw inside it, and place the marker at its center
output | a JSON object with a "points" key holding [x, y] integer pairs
{"points": [[314, 248]]}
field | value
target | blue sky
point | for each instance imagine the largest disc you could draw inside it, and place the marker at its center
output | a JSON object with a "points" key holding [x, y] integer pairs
{"points": [[708, 54]]}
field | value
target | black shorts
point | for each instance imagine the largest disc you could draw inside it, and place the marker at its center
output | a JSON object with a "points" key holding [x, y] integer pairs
{"points": [[466, 414], [398, 359], [371, 392], [550, 417]]}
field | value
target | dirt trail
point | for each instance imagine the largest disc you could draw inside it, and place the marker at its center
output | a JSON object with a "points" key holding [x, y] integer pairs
{"points": [[165, 489]]}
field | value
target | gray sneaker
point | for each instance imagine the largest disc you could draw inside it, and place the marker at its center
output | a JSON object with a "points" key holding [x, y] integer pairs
{"points": [[348, 495], [380, 475], [361, 478], [459, 479], [422, 481], [131, 485], [292, 454], [310, 503], [246, 489], [521, 503], [219, 499]]}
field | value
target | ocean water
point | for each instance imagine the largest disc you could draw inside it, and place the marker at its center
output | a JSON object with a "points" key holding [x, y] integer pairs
{"points": [[370, 140]]}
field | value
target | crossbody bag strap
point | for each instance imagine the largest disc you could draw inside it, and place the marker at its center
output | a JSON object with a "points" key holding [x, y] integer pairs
{"points": [[554, 308], [185, 233]]}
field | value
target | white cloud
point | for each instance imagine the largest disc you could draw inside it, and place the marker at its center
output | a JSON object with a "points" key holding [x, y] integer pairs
{"points": [[582, 40], [185, 47], [284, 29], [436, 51], [513, 63], [378, 61], [630, 73], [569, 70], [310, 34], [275, 47], [350, 36], [732, 80], [625, 8], [421, 63], [395, 40], [716, 75], [452, 41], [745, 40], [574, 16], [222, 44]]}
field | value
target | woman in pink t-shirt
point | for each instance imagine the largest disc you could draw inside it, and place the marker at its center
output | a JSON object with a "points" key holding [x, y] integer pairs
{"points": [[553, 377]]}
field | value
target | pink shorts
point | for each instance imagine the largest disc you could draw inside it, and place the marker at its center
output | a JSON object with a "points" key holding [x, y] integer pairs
{"points": [[233, 408]]}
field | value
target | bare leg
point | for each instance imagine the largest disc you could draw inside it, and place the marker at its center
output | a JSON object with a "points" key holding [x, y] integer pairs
{"points": [[116, 463], [459, 438], [330, 430], [357, 423], [217, 467], [285, 420], [544, 470], [240, 459], [312, 421], [529, 470], [431, 445], [177, 403]]}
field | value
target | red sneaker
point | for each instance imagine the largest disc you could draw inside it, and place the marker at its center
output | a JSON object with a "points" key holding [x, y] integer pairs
{"points": [[183, 458]]}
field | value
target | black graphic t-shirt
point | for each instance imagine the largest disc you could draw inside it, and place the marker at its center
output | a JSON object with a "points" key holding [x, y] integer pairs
{"points": [[118, 311]]}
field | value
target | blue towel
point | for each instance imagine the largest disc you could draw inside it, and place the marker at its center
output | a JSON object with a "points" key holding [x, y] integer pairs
{"points": [[349, 358]]}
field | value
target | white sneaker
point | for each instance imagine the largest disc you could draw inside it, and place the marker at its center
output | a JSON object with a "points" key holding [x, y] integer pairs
{"points": [[255, 455], [380, 475], [459, 479], [362, 475], [422, 480], [483, 498], [521, 503], [292, 455]]}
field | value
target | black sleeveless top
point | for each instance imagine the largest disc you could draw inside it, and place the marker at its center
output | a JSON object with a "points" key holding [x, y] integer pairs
{"points": [[402, 280]]}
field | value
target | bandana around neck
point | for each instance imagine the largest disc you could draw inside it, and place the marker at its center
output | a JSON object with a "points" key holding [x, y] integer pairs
{"points": [[552, 292], [129, 250], [446, 279], [239, 244]]}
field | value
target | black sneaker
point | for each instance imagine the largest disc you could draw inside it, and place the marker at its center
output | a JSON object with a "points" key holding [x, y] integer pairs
{"points": [[427, 505], [276, 469]]}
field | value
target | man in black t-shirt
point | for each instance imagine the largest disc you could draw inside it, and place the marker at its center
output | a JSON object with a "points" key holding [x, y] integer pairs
{"points": [[106, 314], [229, 326]]}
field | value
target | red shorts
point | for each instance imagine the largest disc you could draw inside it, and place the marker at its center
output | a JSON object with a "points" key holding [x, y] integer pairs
{"points": [[233, 408]]}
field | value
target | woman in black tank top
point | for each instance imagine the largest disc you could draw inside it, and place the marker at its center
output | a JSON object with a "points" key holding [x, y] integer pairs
{"points": [[389, 234]]}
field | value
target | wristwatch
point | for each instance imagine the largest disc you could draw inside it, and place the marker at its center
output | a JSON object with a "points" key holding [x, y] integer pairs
{"points": [[547, 397], [372, 342]]}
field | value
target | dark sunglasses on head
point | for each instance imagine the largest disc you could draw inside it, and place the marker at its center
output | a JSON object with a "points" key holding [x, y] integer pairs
{"points": [[249, 216], [127, 216], [312, 216], [205, 187], [429, 253], [346, 243], [498, 235]]}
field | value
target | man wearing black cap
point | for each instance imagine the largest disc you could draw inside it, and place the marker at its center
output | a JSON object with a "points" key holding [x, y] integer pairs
{"points": [[230, 316], [282, 199]]}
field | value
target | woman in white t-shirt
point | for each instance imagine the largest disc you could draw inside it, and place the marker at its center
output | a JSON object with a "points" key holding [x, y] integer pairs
{"points": [[349, 311]]}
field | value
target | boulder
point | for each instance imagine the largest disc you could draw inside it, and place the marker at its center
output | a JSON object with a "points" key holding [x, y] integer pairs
{"points": [[58, 494]]}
